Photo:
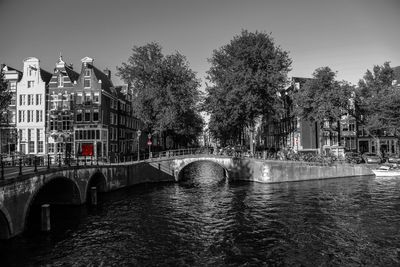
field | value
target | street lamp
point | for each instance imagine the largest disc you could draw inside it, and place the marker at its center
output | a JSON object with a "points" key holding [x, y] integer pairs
{"points": [[149, 143], [139, 132]]}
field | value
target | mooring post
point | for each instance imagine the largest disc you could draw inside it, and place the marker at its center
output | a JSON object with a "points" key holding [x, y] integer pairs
{"points": [[93, 195], [46, 218], [2, 170], [20, 167], [35, 161]]}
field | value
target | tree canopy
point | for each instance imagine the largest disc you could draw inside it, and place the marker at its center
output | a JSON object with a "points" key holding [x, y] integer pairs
{"points": [[5, 97], [246, 76], [322, 98], [378, 101], [166, 92]]}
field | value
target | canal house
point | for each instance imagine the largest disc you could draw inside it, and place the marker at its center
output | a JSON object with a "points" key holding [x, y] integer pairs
{"points": [[31, 106], [96, 118], [61, 111]]}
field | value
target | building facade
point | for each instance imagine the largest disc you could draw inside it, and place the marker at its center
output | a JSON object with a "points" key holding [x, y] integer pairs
{"points": [[60, 114], [31, 108]]}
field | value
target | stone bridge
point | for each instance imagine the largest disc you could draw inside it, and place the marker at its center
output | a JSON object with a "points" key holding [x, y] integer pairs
{"points": [[22, 196]]}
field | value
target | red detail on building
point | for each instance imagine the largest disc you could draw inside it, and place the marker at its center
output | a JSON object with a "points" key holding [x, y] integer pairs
{"points": [[149, 143], [87, 149]]}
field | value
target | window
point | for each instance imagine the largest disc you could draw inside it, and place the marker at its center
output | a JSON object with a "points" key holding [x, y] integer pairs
{"points": [[79, 115], [53, 125], [29, 100], [37, 116], [29, 134], [111, 118], [96, 115], [60, 80], [21, 100], [96, 98], [60, 147], [19, 116], [31, 147], [88, 97], [352, 126], [38, 99], [29, 116], [13, 85], [79, 99], [51, 147], [40, 147], [12, 119], [30, 84], [13, 99], [86, 83], [87, 115], [87, 73]]}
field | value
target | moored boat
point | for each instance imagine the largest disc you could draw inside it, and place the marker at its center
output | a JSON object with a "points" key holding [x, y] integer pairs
{"points": [[386, 171]]}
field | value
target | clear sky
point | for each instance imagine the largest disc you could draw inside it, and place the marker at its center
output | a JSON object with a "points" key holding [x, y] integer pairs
{"points": [[350, 36]]}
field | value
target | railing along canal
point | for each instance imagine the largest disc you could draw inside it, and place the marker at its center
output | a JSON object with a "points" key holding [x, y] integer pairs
{"points": [[14, 166]]}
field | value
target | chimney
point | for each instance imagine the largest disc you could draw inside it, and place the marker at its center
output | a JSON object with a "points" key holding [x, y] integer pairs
{"points": [[108, 73]]}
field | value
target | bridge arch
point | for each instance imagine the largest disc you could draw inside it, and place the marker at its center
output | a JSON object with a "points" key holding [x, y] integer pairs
{"points": [[6, 226], [97, 180], [188, 162], [59, 190]]}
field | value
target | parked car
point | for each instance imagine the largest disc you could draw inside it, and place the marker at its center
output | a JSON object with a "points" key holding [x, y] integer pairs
{"points": [[353, 157], [393, 158], [371, 158]]}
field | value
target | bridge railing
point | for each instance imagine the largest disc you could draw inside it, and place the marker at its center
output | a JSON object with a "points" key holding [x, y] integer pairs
{"points": [[22, 164]]}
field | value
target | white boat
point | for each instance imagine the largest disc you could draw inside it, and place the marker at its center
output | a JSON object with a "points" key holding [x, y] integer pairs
{"points": [[386, 171]]}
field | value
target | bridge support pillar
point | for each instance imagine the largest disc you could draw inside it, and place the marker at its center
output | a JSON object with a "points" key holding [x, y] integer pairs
{"points": [[46, 218], [93, 195]]}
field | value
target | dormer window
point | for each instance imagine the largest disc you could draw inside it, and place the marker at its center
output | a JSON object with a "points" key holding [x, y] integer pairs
{"points": [[87, 73], [60, 81]]}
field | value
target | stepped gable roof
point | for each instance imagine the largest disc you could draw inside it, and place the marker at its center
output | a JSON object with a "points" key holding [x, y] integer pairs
{"points": [[45, 75], [73, 75], [106, 83]]}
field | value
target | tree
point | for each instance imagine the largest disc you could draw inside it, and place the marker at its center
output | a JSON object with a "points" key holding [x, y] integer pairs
{"points": [[246, 76], [5, 97], [166, 93], [377, 102], [322, 99]]}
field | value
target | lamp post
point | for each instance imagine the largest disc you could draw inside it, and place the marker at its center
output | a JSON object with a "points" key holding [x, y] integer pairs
{"points": [[149, 144], [139, 132]]}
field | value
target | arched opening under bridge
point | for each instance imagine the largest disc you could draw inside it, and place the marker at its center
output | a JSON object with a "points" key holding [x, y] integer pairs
{"points": [[63, 195], [205, 168], [5, 228], [97, 180]]}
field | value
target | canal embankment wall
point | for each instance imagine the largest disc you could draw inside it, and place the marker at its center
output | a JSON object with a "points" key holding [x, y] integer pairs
{"points": [[290, 171]]}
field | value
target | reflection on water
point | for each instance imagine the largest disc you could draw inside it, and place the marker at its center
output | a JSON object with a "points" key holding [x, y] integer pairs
{"points": [[207, 221]]}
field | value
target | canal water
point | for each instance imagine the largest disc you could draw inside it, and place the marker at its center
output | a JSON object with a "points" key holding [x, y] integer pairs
{"points": [[206, 221]]}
